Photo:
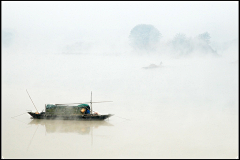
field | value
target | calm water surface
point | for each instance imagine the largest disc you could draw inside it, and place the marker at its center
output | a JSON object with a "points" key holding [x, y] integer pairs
{"points": [[189, 109]]}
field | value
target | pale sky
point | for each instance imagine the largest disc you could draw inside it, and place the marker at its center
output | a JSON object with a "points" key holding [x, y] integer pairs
{"points": [[112, 20]]}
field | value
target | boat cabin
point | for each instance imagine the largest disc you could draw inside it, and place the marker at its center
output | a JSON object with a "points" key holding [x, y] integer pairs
{"points": [[66, 110]]}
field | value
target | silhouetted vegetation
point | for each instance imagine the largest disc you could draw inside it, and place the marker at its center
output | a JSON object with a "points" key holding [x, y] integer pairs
{"points": [[144, 37], [184, 46], [7, 38]]}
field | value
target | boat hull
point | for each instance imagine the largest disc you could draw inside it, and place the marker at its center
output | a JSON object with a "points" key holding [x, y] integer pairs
{"points": [[72, 117]]}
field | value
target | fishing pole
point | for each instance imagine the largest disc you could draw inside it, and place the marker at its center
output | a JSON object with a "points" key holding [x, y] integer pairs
{"points": [[32, 101]]}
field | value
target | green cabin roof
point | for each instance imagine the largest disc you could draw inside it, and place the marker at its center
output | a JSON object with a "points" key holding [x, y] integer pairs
{"points": [[48, 106]]}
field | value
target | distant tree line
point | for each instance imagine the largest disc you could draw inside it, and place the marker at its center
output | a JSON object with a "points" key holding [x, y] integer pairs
{"points": [[146, 38], [183, 45], [7, 38]]}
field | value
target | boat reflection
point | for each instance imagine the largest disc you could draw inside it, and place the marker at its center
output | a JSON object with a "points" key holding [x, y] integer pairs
{"points": [[69, 126]]}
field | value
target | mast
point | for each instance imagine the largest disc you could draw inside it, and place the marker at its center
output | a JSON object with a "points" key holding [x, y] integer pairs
{"points": [[91, 102]]}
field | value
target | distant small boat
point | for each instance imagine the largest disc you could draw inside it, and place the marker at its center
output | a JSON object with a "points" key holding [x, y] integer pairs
{"points": [[151, 66], [69, 111]]}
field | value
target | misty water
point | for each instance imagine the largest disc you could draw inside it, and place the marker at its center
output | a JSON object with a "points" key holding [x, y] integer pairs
{"points": [[186, 108]]}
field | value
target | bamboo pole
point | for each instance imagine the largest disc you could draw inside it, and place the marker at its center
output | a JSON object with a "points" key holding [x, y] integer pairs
{"points": [[32, 101]]}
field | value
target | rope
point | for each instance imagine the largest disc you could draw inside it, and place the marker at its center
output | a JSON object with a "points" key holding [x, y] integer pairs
{"points": [[32, 137], [19, 121], [18, 115], [122, 118]]}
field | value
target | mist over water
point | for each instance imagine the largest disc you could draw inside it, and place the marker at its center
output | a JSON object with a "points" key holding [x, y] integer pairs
{"points": [[185, 109], [165, 104]]}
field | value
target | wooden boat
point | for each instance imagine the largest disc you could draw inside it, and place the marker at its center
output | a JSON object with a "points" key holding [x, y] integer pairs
{"points": [[69, 111], [42, 115]]}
